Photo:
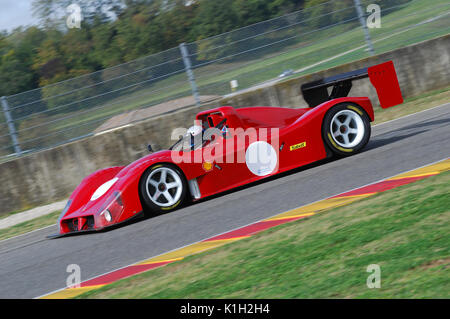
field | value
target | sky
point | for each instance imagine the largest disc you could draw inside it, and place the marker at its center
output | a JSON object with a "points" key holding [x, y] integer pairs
{"points": [[14, 13]]}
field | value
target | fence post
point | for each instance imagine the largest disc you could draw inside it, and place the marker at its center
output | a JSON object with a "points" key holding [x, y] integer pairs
{"points": [[11, 127], [364, 25], [190, 74]]}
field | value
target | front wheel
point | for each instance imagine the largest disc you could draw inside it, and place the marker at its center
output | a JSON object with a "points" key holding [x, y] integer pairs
{"points": [[346, 129], [162, 188]]}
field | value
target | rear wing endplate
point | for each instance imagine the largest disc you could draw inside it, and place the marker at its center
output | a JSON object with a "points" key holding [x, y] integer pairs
{"points": [[382, 76]]}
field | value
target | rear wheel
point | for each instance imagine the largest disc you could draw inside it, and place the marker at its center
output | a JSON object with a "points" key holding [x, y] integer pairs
{"points": [[162, 188], [346, 129]]}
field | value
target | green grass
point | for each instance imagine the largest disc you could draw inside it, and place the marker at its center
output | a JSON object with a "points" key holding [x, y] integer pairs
{"points": [[5, 215], [28, 226], [404, 231], [11, 213]]}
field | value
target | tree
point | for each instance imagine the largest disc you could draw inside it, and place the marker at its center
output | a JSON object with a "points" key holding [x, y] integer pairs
{"points": [[212, 18], [14, 75], [17, 52]]}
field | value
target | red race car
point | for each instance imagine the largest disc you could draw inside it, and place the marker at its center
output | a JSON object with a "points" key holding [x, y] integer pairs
{"points": [[228, 147]]}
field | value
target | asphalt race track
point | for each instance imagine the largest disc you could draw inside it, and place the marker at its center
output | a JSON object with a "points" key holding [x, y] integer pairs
{"points": [[31, 265]]}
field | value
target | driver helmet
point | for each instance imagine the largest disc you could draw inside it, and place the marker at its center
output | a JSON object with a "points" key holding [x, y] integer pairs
{"points": [[195, 132]]}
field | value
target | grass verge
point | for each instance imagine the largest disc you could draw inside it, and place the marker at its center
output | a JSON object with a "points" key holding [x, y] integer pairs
{"points": [[404, 231], [413, 105], [28, 226]]}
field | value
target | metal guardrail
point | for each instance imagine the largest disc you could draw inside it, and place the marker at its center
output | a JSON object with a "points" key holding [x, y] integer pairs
{"points": [[322, 36]]}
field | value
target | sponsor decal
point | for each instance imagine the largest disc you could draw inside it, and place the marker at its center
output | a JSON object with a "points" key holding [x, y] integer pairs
{"points": [[297, 146], [207, 166]]}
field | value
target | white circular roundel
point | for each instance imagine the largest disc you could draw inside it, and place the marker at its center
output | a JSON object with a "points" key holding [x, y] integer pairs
{"points": [[261, 158]]}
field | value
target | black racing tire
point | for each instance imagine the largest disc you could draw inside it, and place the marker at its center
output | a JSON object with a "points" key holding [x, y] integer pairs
{"points": [[346, 129], [172, 188]]}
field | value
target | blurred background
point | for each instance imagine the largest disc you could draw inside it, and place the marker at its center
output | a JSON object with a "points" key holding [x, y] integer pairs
{"points": [[60, 84], [88, 84]]}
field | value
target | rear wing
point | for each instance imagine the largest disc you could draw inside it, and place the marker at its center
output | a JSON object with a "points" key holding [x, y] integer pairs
{"points": [[382, 76]]}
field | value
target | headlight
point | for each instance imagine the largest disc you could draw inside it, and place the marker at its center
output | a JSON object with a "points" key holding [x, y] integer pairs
{"points": [[108, 215], [112, 209], [103, 189]]}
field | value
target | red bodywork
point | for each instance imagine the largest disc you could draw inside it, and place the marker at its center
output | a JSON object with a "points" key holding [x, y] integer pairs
{"points": [[295, 127]]}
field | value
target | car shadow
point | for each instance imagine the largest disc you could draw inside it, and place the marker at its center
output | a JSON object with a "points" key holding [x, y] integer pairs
{"points": [[426, 124], [379, 142]]}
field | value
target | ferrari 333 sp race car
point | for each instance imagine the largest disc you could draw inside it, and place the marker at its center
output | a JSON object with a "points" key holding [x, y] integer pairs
{"points": [[231, 147]]}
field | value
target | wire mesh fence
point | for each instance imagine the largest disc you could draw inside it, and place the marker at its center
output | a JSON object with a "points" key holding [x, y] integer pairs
{"points": [[301, 42]]}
